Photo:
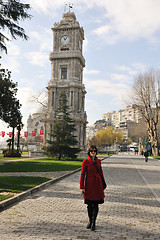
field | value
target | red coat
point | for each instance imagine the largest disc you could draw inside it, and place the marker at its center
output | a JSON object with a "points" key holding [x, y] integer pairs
{"points": [[90, 180]]}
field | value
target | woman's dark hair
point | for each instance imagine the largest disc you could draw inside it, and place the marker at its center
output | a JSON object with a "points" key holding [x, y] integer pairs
{"points": [[92, 147]]}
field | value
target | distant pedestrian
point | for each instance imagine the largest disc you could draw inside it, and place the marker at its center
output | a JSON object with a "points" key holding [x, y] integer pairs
{"points": [[146, 155], [91, 185]]}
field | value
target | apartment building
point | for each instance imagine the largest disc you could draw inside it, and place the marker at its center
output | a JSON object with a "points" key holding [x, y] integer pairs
{"points": [[121, 118]]}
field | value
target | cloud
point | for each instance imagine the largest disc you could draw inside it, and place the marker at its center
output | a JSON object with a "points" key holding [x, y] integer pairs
{"points": [[129, 20], [47, 6], [106, 87], [117, 85], [94, 71], [134, 69], [37, 58], [13, 50], [11, 63], [120, 77], [43, 38]]}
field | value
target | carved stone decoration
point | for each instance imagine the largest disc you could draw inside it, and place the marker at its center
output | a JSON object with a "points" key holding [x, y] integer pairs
{"points": [[67, 63]]}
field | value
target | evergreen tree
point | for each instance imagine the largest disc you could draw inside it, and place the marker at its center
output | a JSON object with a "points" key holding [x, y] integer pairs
{"points": [[62, 141], [11, 12]]}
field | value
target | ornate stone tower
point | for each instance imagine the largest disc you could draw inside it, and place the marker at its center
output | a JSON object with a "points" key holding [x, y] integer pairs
{"points": [[67, 63]]}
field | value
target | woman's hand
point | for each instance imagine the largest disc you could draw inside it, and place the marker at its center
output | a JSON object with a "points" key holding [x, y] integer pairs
{"points": [[82, 191]]}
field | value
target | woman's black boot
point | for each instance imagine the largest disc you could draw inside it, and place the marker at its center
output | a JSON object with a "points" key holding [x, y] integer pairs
{"points": [[94, 216], [90, 209]]}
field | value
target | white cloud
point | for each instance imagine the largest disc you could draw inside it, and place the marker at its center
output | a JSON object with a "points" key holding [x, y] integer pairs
{"points": [[105, 87], [134, 69], [120, 77], [43, 37], [37, 58], [129, 20], [13, 50], [47, 6], [139, 67], [11, 63], [93, 71]]}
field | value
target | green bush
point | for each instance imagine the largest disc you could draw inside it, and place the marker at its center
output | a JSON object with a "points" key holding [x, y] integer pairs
{"points": [[10, 154]]}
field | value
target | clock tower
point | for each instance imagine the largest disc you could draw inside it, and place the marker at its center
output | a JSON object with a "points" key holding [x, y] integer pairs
{"points": [[67, 63]]}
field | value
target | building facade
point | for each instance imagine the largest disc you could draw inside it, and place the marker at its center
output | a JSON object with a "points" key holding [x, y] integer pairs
{"points": [[121, 118], [67, 63]]}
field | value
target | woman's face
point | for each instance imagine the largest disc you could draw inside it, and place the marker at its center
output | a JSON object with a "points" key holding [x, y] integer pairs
{"points": [[93, 152]]}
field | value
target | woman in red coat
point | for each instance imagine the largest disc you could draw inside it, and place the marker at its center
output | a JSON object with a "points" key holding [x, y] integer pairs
{"points": [[91, 185]]}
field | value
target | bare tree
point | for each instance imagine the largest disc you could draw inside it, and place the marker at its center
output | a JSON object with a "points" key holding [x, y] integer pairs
{"points": [[146, 96], [40, 98], [137, 131]]}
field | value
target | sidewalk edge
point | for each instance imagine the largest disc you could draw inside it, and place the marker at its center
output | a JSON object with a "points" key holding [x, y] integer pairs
{"points": [[19, 197]]}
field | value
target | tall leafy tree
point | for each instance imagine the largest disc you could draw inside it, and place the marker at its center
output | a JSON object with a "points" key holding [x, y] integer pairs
{"points": [[9, 104], [11, 12], [8, 90], [106, 137], [62, 141]]}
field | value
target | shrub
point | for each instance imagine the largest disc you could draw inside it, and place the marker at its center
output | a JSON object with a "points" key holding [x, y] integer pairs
{"points": [[10, 154]]}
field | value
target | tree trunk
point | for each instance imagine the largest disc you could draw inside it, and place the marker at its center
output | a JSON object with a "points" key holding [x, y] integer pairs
{"points": [[12, 141], [18, 140], [154, 140]]}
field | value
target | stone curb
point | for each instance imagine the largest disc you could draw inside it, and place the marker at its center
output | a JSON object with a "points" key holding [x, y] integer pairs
{"points": [[19, 197]]}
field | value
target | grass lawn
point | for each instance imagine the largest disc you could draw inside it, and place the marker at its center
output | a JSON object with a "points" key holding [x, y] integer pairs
{"points": [[40, 165], [11, 158], [157, 157], [13, 184], [3, 197], [17, 185]]}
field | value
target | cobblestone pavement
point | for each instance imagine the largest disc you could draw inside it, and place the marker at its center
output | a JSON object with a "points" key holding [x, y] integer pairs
{"points": [[131, 209]]}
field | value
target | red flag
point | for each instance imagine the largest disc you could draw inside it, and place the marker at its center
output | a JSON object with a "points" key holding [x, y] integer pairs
{"points": [[10, 134], [41, 138], [26, 134], [3, 133], [41, 131], [34, 133]]}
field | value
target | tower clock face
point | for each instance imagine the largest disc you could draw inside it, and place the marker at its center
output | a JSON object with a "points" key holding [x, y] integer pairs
{"points": [[65, 40]]}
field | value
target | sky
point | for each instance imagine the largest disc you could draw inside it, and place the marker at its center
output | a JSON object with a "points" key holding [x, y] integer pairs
{"points": [[122, 39]]}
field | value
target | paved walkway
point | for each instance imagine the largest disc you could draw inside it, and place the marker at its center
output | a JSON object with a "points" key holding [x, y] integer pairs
{"points": [[131, 209]]}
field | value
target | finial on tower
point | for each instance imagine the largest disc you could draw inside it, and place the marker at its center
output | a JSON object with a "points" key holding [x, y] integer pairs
{"points": [[68, 7]]}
